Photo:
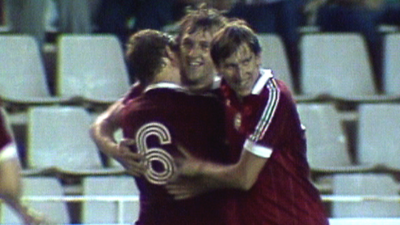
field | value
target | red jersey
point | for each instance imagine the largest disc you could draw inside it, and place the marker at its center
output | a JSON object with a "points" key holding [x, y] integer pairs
{"points": [[162, 117], [7, 146], [267, 124], [135, 91]]}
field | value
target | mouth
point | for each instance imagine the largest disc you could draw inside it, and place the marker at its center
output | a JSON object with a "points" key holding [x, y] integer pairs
{"points": [[195, 64]]}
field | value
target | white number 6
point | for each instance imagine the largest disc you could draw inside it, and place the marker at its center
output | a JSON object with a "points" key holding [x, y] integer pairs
{"points": [[155, 154]]}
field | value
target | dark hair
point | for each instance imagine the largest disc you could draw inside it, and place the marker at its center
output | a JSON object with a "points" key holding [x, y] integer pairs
{"points": [[228, 40], [145, 51], [201, 18]]}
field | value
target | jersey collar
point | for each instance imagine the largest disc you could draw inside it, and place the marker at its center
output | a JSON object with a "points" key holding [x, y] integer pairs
{"points": [[265, 75], [165, 85]]}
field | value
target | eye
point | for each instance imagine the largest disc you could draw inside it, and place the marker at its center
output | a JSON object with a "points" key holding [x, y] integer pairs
{"points": [[204, 45], [246, 61], [187, 44]]}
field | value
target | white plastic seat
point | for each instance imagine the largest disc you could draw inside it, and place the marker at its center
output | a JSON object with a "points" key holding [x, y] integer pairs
{"points": [[364, 221], [378, 135], [112, 186], [22, 75], [391, 64], [58, 138], [380, 185], [55, 211], [327, 144], [337, 65], [91, 67], [274, 57]]}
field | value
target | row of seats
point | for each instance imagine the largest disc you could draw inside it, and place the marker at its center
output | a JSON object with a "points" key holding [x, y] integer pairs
{"points": [[339, 65], [102, 200], [92, 68], [114, 199], [89, 68], [58, 141], [376, 143]]}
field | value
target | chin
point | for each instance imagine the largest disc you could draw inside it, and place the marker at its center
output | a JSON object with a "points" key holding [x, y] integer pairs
{"points": [[243, 93]]}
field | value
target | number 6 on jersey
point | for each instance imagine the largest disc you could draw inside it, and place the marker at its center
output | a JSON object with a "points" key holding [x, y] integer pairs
{"points": [[159, 163]]}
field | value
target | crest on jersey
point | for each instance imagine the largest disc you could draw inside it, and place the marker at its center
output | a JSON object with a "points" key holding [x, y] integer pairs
{"points": [[237, 121]]}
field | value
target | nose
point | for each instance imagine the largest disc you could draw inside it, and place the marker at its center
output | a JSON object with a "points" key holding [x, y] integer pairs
{"points": [[238, 73], [194, 51]]}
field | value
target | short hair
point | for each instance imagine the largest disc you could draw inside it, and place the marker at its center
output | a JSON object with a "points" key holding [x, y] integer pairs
{"points": [[145, 50], [201, 18], [228, 40]]}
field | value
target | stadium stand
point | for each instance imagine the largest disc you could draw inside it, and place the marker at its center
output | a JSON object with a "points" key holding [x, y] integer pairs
{"points": [[110, 211], [337, 66], [367, 186], [91, 68], [59, 141], [378, 130], [55, 211]]}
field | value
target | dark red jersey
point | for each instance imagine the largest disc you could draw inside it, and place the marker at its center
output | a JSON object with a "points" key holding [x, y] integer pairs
{"points": [[267, 124], [164, 116]]}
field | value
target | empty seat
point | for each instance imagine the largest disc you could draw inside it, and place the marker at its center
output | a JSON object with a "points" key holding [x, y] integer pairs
{"points": [[327, 144], [337, 65], [91, 67], [58, 138], [55, 211], [22, 76], [378, 130], [364, 221], [274, 57], [363, 185], [391, 64], [107, 211]]}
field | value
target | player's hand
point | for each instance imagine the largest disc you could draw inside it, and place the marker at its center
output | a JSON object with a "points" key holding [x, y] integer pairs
{"points": [[188, 165], [130, 160], [184, 188], [32, 217]]}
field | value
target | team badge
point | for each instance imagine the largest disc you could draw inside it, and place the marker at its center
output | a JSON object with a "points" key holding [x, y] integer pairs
{"points": [[237, 122]]}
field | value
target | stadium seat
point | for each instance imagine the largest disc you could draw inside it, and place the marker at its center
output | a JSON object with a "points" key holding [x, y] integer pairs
{"points": [[337, 65], [107, 211], [365, 185], [378, 130], [274, 57], [55, 211], [58, 141], [22, 76], [391, 64], [327, 144], [91, 67]]}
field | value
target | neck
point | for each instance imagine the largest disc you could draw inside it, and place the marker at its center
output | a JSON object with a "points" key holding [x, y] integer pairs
{"points": [[199, 88], [167, 74]]}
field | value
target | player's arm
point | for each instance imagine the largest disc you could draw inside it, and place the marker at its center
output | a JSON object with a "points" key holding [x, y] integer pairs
{"points": [[10, 186], [103, 129], [241, 175], [102, 132], [196, 176]]}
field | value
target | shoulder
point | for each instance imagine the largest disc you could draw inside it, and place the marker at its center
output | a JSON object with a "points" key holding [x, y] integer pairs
{"points": [[135, 91]]}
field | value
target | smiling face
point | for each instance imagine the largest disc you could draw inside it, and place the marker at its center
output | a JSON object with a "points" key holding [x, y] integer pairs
{"points": [[241, 70], [197, 68]]}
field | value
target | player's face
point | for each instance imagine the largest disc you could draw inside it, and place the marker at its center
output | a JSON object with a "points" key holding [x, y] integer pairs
{"points": [[241, 70], [197, 67]]}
